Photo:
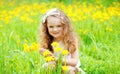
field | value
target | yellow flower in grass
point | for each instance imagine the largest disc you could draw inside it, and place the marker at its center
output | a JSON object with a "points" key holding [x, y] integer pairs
{"points": [[49, 58], [109, 29], [26, 48], [54, 44], [57, 49], [65, 52], [46, 53], [34, 46], [65, 68]]}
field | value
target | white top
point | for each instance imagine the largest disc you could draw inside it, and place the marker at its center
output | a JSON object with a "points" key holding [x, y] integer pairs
{"points": [[57, 54]]}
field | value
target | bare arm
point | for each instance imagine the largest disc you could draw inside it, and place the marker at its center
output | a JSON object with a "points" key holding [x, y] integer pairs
{"points": [[74, 58]]}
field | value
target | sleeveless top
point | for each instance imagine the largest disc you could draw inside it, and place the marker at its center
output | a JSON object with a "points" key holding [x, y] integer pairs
{"points": [[57, 54]]}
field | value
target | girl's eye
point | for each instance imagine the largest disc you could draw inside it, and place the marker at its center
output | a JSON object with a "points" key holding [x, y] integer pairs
{"points": [[50, 26], [59, 26]]}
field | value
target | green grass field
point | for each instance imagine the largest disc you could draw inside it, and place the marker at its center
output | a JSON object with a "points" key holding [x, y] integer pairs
{"points": [[96, 23]]}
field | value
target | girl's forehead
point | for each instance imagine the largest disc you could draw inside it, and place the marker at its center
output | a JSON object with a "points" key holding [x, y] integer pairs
{"points": [[51, 20]]}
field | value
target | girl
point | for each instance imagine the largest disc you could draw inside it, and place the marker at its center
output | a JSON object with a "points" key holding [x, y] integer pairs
{"points": [[56, 27]]}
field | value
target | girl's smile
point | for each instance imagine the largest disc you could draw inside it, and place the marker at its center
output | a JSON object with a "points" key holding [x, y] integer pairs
{"points": [[55, 28]]}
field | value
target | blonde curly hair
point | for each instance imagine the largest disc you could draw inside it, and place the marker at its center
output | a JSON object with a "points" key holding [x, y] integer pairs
{"points": [[70, 39]]}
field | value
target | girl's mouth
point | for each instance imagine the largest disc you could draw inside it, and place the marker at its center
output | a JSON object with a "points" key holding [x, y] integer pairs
{"points": [[55, 32]]}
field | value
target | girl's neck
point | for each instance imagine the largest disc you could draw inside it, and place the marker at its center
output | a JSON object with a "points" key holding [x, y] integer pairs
{"points": [[58, 39]]}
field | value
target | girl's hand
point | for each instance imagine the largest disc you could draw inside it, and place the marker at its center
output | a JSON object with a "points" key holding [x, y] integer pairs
{"points": [[42, 50]]}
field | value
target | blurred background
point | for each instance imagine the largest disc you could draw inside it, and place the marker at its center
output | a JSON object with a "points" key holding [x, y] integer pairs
{"points": [[95, 21]]}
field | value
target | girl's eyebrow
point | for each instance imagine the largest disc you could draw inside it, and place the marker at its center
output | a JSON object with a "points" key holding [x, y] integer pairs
{"points": [[59, 24]]}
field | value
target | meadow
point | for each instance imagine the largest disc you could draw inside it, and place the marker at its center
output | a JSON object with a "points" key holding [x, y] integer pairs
{"points": [[96, 23]]}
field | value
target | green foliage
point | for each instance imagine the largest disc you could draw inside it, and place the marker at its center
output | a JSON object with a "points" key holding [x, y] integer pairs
{"points": [[99, 50]]}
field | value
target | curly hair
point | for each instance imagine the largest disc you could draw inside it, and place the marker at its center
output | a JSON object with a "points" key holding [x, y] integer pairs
{"points": [[70, 39]]}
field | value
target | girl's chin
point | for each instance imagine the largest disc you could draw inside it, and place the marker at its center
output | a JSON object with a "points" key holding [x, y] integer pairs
{"points": [[56, 36]]}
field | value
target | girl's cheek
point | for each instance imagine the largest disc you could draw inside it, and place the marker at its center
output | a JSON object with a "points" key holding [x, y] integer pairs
{"points": [[60, 29], [49, 29]]}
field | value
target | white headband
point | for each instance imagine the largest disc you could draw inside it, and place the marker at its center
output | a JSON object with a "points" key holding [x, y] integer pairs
{"points": [[51, 12]]}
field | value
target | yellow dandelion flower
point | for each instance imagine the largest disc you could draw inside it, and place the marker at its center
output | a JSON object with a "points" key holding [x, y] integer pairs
{"points": [[109, 29], [65, 52], [55, 44], [80, 30], [49, 58], [57, 49], [65, 68], [26, 47], [46, 53], [34, 46]]}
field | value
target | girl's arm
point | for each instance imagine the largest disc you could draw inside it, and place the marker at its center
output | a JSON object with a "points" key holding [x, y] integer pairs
{"points": [[74, 58]]}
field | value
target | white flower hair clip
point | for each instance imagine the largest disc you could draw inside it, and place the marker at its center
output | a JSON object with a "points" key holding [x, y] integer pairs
{"points": [[50, 12]]}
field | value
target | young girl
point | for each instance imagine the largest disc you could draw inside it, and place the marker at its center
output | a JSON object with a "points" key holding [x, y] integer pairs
{"points": [[56, 27]]}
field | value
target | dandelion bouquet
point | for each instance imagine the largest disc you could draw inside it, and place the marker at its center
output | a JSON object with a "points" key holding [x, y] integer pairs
{"points": [[58, 66]]}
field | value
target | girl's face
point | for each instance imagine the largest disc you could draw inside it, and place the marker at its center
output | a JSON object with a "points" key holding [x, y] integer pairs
{"points": [[54, 26]]}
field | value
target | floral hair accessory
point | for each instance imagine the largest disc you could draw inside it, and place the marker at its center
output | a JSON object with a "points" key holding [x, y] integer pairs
{"points": [[51, 12]]}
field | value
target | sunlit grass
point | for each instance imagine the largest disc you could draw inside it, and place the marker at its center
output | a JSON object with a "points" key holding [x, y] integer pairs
{"points": [[97, 25]]}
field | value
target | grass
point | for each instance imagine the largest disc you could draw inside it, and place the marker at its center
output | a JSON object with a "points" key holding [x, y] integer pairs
{"points": [[100, 36]]}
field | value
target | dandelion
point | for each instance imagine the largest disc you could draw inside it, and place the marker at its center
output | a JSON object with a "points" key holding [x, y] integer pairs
{"points": [[65, 68], [80, 30], [57, 49], [24, 17], [46, 53], [26, 47], [49, 58], [109, 29], [65, 52], [34, 46], [54, 44]]}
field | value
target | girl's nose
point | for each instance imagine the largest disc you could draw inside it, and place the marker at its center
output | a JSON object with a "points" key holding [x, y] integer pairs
{"points": [[55, 29]]}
